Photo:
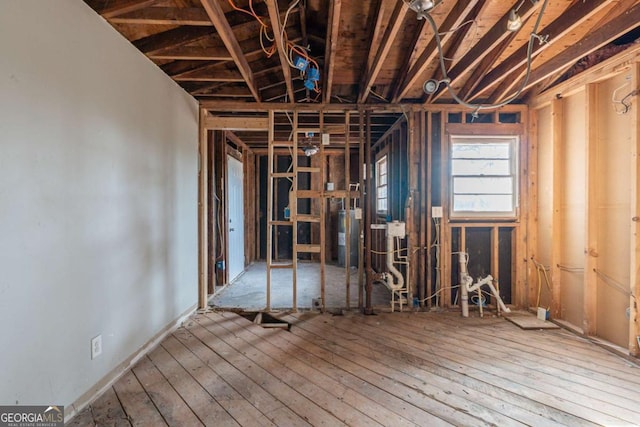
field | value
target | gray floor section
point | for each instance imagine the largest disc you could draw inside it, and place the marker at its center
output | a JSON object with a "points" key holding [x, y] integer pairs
{"points": [[248, 291]]}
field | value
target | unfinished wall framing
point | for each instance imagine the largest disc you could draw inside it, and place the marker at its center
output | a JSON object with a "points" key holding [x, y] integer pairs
{"points": [[586, 190]]}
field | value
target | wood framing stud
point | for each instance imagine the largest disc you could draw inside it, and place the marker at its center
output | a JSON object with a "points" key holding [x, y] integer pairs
{"points": [[216, 14], [274, 16], [331, 47], [395, 24]]}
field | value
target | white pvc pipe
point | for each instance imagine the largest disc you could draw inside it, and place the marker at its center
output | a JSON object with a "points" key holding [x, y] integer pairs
{"points": [[466, 286], [464, 291], [392, 270]]}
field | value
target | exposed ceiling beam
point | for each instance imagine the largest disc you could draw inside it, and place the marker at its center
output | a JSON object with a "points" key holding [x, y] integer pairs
{"points": [[487, 44], [453, 47], [124, 6], [193, 53], [194, 16], [274, 16], [408, 57], [376, 24], [483, 68], [399, 12], [216, 14], [333, 25], [172, 38], [205, 75], [594, 40], [571, 18], [236, 140], [459, 13], [237, 123]]}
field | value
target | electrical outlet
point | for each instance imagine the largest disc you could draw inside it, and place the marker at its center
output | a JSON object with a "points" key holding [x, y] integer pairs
{"points": [[96, 346]]}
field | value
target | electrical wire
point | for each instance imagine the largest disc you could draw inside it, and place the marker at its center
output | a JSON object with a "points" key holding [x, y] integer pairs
{"points": [[613, 283], [625, 106], [570, 269], [543, 269], [478, 107]]}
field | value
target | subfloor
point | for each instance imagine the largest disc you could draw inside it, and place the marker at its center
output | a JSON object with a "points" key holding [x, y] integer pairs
{"points": [[249, 290], [390, 369]]}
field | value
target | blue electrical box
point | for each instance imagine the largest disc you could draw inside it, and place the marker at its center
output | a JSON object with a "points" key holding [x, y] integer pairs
{"points": [[313, 75], [300, 63]]}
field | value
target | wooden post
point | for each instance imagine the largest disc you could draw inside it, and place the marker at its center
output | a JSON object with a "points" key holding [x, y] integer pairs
{"points": [[445, 229], [412, 222], [532, 209], [203, 209], [293, 213], [323, 217], [347, 183], [427, 188], [361, 173], [270, 180], [369, 212], [634, 228], [557, 125], [495, 258], [589, 320], [423, 211], [519, 294]]}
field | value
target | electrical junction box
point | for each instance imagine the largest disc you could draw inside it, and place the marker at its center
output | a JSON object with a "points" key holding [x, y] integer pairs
{"points": [[396, 229], [325, 139], [436, 212], [301, 63], [358, 213]]}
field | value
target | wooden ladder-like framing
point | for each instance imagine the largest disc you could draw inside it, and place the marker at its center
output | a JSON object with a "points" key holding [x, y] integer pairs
{"points": [[317, 215]]}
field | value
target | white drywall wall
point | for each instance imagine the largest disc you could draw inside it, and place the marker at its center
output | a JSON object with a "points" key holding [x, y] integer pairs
{"points": [[98, 200]]}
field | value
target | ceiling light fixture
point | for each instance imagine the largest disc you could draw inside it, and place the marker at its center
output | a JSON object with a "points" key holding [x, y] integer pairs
{"points": [[515, 22], [432, 85], [421, 7], [310, 150]]}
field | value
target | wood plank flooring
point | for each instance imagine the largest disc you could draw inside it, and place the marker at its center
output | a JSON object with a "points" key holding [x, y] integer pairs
{"points": [[390, 369]]}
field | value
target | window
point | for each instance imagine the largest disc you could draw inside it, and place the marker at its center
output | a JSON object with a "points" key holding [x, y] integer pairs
{"points": [[484, 179], [381, 186]]}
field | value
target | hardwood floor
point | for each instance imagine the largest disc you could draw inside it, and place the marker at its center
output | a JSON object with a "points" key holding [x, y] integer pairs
{"points": [[395, 369]]}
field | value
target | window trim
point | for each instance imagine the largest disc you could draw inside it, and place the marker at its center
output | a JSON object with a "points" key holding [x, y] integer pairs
{"points": [[515, 173]]}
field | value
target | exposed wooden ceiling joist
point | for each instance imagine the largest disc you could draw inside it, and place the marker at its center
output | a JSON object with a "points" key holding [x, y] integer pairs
{"points": [[207, 76], [597, 38], [494, 37], [221, 24], [193, 16], [565, 23], [172, 38], [333, 25], [193, 53], [395, 24], [459, 14], [274, 16], [375, 45], [484, 66], [116, 8]]}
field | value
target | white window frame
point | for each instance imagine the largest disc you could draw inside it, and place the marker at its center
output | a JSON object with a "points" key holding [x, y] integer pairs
{"points": [[384, 159], [513, 142]]}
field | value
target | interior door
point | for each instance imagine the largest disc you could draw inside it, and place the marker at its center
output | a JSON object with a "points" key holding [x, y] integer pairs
{"points": [[235, 197]]}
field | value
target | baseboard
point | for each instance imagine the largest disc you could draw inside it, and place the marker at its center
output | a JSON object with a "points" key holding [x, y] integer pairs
{"points": [[115, 374]]}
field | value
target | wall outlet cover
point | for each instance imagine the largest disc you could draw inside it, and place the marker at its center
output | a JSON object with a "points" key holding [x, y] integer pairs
{"points": [[96, 346]]}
